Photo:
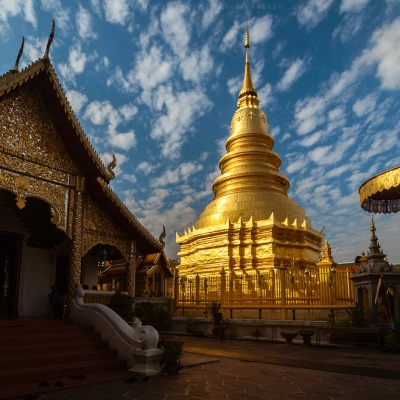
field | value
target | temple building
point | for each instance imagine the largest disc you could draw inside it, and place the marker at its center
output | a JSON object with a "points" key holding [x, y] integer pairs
{"points": [[59, 219], [251, 224]]}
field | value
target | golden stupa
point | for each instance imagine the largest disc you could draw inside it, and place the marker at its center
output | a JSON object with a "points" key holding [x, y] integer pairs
{"points": [[251, 224]]}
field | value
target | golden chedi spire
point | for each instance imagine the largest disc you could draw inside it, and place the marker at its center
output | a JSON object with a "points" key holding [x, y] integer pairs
{"points": [[250, 183], [251, 222]]}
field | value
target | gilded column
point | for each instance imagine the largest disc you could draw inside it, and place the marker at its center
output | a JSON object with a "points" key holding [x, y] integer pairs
{"points": [[131, 269], [223, 287], [282, 276], [76, 246]]}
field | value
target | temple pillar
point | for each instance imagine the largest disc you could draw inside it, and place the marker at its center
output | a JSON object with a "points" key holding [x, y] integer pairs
{"points": [[282, 273], [223, 287], [76, 245], [131, 269]]}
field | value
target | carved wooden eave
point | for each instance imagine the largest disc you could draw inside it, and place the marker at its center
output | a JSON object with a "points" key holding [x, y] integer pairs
{"points": [[41, 73], [127, 221]]}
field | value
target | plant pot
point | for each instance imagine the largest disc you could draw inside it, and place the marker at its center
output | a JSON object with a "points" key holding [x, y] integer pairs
{"points": [[217, 317], [306, 334], [289, 336]]}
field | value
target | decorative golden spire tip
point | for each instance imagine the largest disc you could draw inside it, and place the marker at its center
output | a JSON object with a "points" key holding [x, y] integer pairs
{"points": [[247, 39]]}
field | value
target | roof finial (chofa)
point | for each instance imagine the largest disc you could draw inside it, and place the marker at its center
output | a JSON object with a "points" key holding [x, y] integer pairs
{"points": [[21, 50], [51, 37], [162, 236]]}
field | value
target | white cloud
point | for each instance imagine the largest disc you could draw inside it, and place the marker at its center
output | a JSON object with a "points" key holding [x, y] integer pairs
{"points": [[234, 85], [100, 113], [309, 114], [313, 12], [319, 153], [145, 167], [265, 95], [210, 13], [352, 5], [60, 14], [296, 165], [365, 105], [84, 24], [34, 48], [311, 139], [116, 11], [154, 60], [260, 29], [123, 141], [197, 64], [13, 8], [176, 27], [292, 74], [350, 25], [77, 60], [172, 127], [230, 38], [76, 99], [386, 52]]}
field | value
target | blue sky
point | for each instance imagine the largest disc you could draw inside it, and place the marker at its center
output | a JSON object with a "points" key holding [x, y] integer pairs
{"points": [[156, 83]]}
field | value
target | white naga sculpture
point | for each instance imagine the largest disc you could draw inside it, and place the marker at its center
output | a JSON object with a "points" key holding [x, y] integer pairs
{"points": [[136, 344]]}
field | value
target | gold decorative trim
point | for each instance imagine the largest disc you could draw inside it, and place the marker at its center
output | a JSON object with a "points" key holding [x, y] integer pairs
{"points": [[381, 193], [25, 186]]}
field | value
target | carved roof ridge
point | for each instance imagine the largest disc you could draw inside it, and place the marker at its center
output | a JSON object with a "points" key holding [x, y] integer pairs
{"points": [[10, 80], [128, 214]]}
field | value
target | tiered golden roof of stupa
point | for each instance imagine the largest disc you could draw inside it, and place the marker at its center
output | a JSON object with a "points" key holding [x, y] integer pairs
{"points": [[250, 195]]}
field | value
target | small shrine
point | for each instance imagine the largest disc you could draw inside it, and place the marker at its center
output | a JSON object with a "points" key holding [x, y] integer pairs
{"points": [[377, 283]]}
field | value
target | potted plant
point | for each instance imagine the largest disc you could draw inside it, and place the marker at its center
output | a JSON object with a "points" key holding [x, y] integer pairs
{"points": [[214, 309], [171, 357]]}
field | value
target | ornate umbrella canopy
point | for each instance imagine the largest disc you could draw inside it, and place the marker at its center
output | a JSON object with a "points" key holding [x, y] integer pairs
{"points": [[381, 193]]}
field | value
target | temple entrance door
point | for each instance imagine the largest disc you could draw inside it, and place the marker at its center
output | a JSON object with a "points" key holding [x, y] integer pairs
{"points": [[9, 272]]}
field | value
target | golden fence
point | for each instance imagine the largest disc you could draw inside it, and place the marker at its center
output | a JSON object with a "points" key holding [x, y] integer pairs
{"points": [[273, 295]]}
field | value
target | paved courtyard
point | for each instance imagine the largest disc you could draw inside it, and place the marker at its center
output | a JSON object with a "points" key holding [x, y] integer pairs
{"points": [[241, 370]]}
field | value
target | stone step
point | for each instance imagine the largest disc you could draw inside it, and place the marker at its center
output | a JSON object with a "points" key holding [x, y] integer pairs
{"points": [[63, 371], [49, 350], [53, 360], [33, 390], [52, 348]]}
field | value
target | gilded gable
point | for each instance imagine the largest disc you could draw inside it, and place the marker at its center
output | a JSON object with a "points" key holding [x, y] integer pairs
{"points": [[27, 129]]}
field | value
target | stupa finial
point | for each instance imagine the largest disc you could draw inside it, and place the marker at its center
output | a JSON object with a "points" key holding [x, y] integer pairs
{"points": [[372, 228], [248, 95]]}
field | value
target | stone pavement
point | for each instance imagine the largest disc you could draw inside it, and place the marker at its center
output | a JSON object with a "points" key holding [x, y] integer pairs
{"points": [[215, 369]]}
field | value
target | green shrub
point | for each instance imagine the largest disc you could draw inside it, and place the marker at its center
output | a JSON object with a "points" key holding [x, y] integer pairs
{"points": [[358, 315], [122, 304]]}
